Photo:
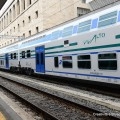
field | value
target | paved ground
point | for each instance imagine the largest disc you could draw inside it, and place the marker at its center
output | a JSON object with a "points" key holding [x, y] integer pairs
{"points": [[2, 117], [9, 110], [7, 113]]}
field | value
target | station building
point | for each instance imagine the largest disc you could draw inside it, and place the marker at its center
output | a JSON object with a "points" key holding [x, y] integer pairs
{"points": [[28, 17]]}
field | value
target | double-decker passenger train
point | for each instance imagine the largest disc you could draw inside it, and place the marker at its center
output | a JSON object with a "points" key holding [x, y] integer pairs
{"points": [[86, 48]]}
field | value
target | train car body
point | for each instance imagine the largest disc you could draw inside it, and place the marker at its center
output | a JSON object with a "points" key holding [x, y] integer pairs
{"points": [[86, 48]]}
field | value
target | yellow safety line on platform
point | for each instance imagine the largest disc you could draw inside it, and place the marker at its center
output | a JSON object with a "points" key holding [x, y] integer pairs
{"points": [[2, 116]]}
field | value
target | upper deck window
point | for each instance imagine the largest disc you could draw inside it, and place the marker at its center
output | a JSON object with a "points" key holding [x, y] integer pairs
{"points": [[55, 35], [84, 26], [67, 31], [107, 19]]}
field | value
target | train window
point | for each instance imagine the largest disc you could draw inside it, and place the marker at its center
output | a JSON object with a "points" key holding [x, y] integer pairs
{"points": [[84, 26], [42, 58], [67, 31], [11, 56], [28, 54], [67, 61], [37, 58], [66, 42], [48, 37], [107, 19], [14, 55], [56, 62], [107, 56], [1, 62], [118, 17], [107, 61], [55, 35], [23, 54], [84, 61], [75, 29], [94, 23]]}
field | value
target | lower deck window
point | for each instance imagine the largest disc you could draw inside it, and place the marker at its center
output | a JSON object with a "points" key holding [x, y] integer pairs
{"points": [[14, 55], [67, 64], [107, 61], [67, 61], [28, 53], [84, 62], [23, 54], [56, 61], [108, 65], [11, 56]]}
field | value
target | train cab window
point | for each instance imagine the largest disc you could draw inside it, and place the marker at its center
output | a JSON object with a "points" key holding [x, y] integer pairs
{"points": [[56, 62], [107, 61], [28, 54], [23, 54], [11, 56], [84, 61], [67, 61], [14, 55]]}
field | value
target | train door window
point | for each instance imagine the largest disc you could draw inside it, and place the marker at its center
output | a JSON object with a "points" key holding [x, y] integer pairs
{"points": [[28, 54], [67, 61], [42, 58], [1, 62], [11, 56], [37, 58], [14, 55], [107, 61], [56, 62], [23, 54], [84, 61]]}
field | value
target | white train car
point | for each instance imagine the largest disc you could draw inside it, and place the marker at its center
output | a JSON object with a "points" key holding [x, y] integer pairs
{"points": [[9, 57], [85, 48]]}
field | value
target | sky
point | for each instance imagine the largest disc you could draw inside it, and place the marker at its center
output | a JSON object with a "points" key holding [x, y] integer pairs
{"points": [[2, 3], [88, 1]]}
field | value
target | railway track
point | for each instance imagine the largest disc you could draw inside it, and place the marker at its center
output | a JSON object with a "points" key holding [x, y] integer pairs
{"points": [[53, 106]]}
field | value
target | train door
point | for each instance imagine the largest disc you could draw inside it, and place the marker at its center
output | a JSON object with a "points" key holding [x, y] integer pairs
{"points": [[40, 59], [7, 60]]}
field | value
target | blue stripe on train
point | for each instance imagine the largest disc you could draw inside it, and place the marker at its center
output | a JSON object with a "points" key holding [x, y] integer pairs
{"points": [[112, 77]]}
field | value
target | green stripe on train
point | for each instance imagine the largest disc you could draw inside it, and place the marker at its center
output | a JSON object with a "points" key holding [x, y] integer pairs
{"points": [[59, 46], [88, 48]]}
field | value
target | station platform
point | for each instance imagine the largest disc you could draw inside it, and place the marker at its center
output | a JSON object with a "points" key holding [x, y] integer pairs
{"points": [[7, 113]]}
